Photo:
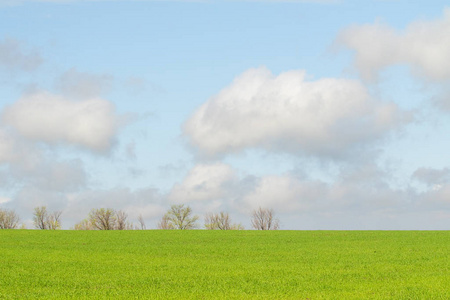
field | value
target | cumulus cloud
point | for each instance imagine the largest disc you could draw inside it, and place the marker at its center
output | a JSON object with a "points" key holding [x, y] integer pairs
{"points": [[83, 85], [17, 151], [359, 197], [287, 113], [14, 58], [50, 118], [53, 175], [204, 182], [438, 197], [284, 193], [423, 45]]}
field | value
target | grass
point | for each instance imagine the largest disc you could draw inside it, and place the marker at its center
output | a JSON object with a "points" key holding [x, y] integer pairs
{"points": [[224, 264]]}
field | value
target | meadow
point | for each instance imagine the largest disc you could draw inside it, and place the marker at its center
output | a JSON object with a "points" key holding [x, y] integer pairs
{"points": [[200, 264]]}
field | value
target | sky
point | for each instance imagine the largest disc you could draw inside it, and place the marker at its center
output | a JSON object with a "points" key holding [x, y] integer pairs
{"points": [[335, 114]]}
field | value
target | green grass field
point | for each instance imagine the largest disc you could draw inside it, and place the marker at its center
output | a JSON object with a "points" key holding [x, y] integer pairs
{"points": [[202, 264]]}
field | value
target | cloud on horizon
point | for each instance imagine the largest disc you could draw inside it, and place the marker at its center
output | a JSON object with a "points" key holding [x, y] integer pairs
{"points": [[356, 192]]}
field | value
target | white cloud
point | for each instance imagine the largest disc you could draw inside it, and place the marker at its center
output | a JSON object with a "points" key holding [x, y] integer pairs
{"points": [[204, 182], [7, 147], [287, 113], [359, 197], [17, 152], [83, 85], [285, 194], [53, 119], [13, 57], [423, 45]]}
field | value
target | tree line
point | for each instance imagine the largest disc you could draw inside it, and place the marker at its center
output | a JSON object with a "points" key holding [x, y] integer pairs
{"points": [[178, 217]]}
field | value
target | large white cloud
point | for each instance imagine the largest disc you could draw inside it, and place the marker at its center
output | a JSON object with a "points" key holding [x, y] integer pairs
{"points": [[423, 45], [288, 113], [50, 118]]}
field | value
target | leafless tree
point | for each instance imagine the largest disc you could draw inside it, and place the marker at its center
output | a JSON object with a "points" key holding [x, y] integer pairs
{"points": [[103, 218], [54, 220], [263, 219], [40, 217], [44, 220], [141, 223], [8, 219], [179, 217], [220, 221], [165, 223], [237, 226], [84, 225], [121, 220]]}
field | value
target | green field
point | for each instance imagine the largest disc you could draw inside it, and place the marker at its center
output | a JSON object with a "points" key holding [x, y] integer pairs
{"points": [[201, 264]]}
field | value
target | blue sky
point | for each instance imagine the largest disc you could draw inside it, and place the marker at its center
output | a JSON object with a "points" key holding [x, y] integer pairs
{"points": [[333, 113]]}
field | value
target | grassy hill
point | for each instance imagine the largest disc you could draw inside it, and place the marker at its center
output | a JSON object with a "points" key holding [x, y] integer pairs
{"points": [[201, 264]]}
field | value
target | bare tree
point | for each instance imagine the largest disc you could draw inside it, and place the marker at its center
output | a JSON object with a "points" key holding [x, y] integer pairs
{"points": [[54, 220], [165, 223], [103, 218], [263, 219], [47, 221], [141, 223], [8, 219], [84, 225], [179, 217], [121, 220], [211, 221], [40, 217], [237, 226], [220, 221]]}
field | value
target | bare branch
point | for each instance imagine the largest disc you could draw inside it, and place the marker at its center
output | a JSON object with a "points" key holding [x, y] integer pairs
{"points": [[40, 217], [220, 221], [178, 217], [263, 219], [103, 218], [121, 220], [84, 225], [8, 219], [165, 223], [141, 222], [54, 220]]}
